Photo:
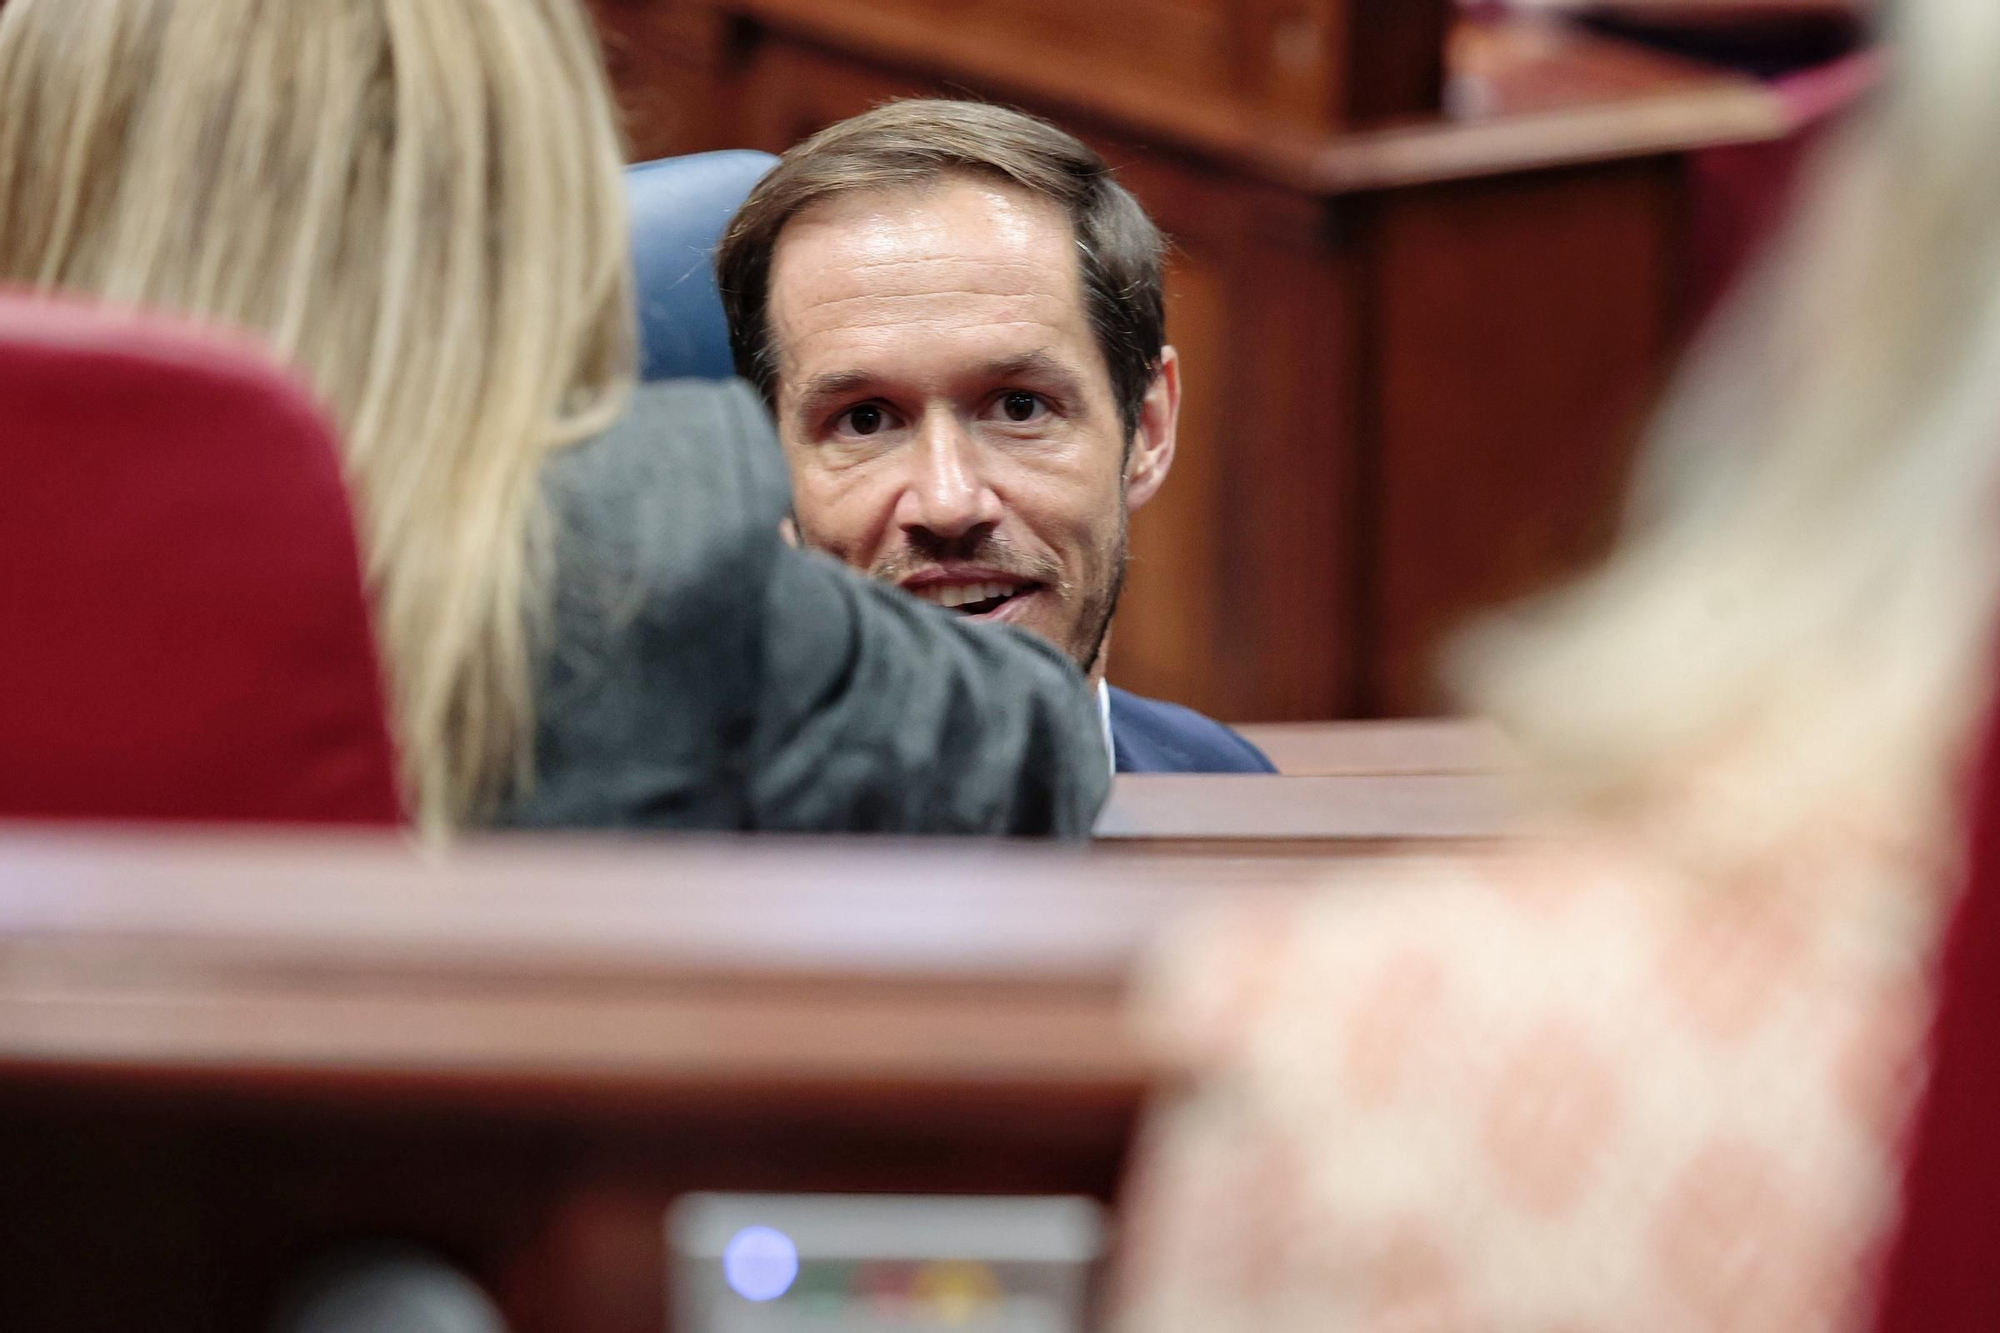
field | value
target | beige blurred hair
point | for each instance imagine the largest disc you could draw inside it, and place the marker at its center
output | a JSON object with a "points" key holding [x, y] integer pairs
{"points": [[417, 203], [1797, 629]]}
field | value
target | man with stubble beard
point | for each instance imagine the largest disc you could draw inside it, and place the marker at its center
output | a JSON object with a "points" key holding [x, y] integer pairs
{"points": [[956, 316]]}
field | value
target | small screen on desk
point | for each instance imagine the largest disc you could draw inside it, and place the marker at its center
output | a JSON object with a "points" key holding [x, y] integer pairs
{"points": [[793, 1263]]}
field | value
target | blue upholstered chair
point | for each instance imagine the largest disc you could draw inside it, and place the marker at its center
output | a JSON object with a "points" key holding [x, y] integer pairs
{"points": [[680, 207]]}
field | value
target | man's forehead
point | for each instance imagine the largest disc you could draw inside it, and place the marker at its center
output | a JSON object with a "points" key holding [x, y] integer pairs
{"points": [[985, 212], [953, 255]]}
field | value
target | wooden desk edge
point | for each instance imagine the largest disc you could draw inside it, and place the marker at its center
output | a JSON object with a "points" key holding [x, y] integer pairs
{"points": [[346, 958], [1651, 126], [1702, 108], [1389, 747], [210, 1015], [525, 961], [1335, 810]]}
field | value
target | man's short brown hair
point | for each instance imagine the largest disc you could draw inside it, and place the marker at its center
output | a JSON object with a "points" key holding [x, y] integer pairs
{"points": [[915, 142]]}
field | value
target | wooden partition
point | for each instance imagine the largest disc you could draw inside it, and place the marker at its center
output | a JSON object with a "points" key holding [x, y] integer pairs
{"points": [[1420, 317], [220, 1058]]}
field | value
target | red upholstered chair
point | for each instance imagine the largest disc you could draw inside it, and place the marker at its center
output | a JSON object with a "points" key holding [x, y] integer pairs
{"points": [[184, 627], [1944, 1270]]}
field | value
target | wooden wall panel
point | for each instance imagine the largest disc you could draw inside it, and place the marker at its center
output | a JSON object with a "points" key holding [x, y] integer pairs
{"points": [[1398, 70], [1242, 583], [1289, 648], [1522, 324], [671, 65], [793, 90], [1264, 626], [1175, 583]]}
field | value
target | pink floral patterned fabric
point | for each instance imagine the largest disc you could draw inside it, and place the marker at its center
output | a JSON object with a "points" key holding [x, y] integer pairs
{"points": [[1551, 1090]]}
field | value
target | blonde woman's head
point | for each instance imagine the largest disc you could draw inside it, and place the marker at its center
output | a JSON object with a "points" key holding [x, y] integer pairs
{"points": [[1800, 617], [415, 202]]}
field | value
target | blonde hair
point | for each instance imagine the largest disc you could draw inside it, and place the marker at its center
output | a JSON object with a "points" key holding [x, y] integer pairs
{"points": [[1799, 621], [418, 204]]}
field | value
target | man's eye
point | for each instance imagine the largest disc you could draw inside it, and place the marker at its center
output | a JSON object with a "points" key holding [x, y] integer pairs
{"points": [[863, 420], [1021, 406]]}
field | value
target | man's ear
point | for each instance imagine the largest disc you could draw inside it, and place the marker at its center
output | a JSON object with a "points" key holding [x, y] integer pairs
{"points": [[1152, 453]]}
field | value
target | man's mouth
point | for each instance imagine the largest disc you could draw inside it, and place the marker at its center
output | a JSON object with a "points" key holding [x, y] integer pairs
{"points": [[971, 598]]}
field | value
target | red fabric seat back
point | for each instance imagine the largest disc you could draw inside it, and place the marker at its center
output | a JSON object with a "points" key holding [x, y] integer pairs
{"points": [[186, 632], [1942, 1269]]}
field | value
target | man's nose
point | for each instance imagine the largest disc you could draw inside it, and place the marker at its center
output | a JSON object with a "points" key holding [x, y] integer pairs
{"points": [[946, 493]]}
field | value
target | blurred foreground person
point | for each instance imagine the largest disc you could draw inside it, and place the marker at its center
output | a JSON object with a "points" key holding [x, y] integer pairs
{"points": [[586, 612], [1647, 1069]]}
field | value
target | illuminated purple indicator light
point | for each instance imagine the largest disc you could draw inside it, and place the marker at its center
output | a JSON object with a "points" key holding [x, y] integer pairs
{"points": [[760, 1264]]}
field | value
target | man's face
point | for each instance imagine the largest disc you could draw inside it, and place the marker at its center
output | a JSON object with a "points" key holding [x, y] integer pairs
{"points": [[949, 420]]}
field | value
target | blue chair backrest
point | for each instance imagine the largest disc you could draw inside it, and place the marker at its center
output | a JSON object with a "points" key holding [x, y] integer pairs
{"points": [[680, 206]]}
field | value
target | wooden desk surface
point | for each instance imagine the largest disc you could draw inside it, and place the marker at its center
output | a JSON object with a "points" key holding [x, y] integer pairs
{"points": [[1349, 788], [1308, 815], [1527, 93], [654, 966], [1391, 747], [657, 964]]}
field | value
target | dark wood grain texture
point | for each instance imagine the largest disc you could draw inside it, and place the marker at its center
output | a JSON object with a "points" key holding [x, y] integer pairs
{"points": [[1544, 301]]}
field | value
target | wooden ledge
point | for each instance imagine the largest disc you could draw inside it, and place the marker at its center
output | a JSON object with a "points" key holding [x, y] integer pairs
{"points": [[1524, 93], [1387, 747], [1371, 811], [652, 966]]}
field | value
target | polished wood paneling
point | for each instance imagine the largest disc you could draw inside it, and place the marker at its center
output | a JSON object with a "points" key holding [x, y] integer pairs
{"points": [[1396, 65], [672, 66], [1522, 323], [1174, 585], [1269, 438]]}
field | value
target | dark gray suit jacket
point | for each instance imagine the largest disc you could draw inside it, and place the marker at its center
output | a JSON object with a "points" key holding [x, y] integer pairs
{"points": [[703, 674]]}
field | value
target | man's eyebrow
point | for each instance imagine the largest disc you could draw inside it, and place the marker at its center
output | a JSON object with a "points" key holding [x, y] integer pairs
{"points": [[832, 385], [1031, 365]]}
